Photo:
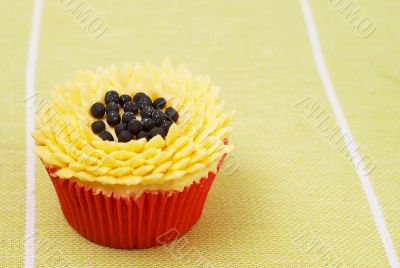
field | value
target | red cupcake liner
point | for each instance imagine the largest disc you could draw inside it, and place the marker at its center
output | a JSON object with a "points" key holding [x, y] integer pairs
{"points": [[154, 218]]}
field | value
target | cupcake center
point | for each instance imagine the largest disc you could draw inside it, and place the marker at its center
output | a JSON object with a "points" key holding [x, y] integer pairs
{"points": [[132, 118]]}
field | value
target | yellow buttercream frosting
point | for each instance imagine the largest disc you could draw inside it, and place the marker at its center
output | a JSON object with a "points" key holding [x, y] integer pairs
{"points": [[192, 147]]}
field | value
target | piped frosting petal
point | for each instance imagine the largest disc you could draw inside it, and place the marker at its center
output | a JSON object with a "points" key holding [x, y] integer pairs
{"points": [[193, 145]]}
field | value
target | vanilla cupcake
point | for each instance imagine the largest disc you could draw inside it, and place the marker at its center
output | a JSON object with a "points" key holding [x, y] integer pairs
{"points": [[133, 151]]}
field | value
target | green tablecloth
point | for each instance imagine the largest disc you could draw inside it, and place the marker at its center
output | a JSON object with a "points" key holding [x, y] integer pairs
{"points": [[295, 198]]}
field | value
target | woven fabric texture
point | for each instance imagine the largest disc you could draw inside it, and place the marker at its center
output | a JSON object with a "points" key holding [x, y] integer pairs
{"points": [[288, 195]]}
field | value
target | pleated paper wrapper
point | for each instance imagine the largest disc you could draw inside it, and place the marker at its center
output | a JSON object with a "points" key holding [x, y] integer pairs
{"points": [[151, 219]]}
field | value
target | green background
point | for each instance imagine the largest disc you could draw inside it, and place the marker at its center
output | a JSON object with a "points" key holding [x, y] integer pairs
{"points": [[295, 200]]}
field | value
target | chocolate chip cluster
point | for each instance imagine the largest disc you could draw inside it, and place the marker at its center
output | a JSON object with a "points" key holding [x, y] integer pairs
{"points": [[141, 117]]}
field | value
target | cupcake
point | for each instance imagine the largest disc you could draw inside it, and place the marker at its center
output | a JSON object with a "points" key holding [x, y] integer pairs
{"points": [[132, 151]]}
